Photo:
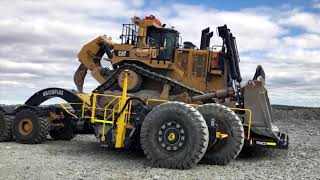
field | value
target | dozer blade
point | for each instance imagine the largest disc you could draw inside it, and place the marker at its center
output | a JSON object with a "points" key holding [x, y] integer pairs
{"points": [[79, 77], [264, 131]]}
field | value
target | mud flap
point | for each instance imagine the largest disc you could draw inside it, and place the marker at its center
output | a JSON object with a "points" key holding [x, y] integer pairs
{"points": [[264, 131]]}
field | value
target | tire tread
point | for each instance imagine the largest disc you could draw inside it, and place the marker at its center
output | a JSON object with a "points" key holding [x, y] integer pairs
{"points": [[200, 126]]}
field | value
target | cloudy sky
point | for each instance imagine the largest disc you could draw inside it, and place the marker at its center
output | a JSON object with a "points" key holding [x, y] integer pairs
{"points": [[39, 40]]}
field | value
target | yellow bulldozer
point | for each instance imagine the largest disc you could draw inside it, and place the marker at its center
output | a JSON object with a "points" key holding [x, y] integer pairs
{"points": [[147, 44], [179, 103]]}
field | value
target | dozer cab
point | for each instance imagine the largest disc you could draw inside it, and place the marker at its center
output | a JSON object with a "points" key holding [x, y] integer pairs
{"points": [[178, 102]]}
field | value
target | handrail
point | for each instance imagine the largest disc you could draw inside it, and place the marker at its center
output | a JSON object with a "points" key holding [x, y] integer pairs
{"points": [[65, 108], [249, 119]]}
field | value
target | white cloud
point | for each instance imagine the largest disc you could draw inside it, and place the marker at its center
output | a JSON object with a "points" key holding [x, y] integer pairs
{"points": [[294, 55], [253, 31], [306, 41], [39, 41], [309, 22]]}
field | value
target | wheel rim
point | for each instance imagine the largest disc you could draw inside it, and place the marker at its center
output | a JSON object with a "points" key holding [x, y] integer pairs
{"points": [[25, 126], [171, 136]]}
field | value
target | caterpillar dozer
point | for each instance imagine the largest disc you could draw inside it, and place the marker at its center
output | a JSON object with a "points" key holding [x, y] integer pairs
{"points": [[179, 103]]}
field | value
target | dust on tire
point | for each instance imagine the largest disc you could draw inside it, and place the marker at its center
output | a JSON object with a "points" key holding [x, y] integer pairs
{"points": [[223, 151], [39, 131], [196, 136], [65, 133], [5, 127]]}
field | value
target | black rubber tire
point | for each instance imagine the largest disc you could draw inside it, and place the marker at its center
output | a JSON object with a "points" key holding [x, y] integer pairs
{"points": [[5, 127], [40, 127], [65, 133], [196, 136], [223, 151]]}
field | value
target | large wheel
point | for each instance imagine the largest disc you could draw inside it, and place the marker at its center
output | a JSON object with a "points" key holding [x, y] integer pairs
{"points": [[65, 133], [174, 135], [29, 128], [5, 127], [223, 150], [134, 81]]}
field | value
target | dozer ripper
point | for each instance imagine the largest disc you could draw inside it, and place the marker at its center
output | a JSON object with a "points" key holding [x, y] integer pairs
{"points": [[179, 103]]}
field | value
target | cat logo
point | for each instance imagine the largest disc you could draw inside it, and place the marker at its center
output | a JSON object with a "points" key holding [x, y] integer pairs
{"points": [[121, 53]]}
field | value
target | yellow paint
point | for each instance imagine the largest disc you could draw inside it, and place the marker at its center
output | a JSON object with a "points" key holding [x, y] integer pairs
{"points": [[121, 124], [84, 97], [271, 143], [93, 111], [220, 135], [171, 136], [155, 101], [63, 105], [216, 72]]}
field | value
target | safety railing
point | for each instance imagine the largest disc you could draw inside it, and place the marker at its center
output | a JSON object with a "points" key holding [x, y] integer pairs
{"points": [[249, 119], [108, 110]]}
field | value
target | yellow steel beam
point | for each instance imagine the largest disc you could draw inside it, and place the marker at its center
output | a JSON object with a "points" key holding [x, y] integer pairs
{"points": [[121, 124], [93, 111]]}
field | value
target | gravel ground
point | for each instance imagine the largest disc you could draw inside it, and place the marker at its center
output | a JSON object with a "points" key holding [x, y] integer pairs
{"points": [[82, 158]]}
